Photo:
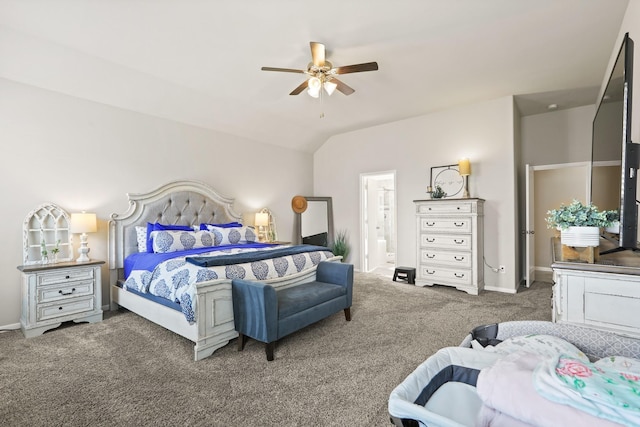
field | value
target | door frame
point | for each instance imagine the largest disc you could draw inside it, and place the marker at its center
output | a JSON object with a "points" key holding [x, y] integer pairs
{"points": [[364, 215]]}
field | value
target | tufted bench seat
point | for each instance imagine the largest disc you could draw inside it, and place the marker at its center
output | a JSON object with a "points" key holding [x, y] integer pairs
{"points": [[265, 314]]}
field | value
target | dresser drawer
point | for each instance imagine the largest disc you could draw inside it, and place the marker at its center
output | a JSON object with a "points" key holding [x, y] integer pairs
{"points": [[457, 259], [446, 224], [443, 207], [63, 308], [442, 241], [445, 275], [63, 276], [67, 290]]}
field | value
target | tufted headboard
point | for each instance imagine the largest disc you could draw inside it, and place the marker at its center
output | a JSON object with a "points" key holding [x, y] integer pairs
{"points": [[178, 202]]}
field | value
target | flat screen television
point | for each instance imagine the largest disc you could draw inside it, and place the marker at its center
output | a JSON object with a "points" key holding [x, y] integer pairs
{"points": [[614, 158]]}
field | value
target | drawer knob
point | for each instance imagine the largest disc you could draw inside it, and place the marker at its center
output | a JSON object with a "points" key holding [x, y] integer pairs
{"points": [[61, 292], [458, 241], [431, 272], [431, 224], [431, 240], [458, 258], [458, 207], [431, 256], [66, 277], [59, 308], [458, 224], [459, 275]]}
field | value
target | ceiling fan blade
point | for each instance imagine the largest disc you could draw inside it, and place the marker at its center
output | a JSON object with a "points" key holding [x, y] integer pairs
{"points": [[317, 53], [357, 68], [300, 88], [286, 70], [347, 90]]}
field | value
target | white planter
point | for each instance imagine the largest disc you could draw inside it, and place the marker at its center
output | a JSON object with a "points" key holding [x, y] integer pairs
{"points": [[580, 236], [614, 228]]}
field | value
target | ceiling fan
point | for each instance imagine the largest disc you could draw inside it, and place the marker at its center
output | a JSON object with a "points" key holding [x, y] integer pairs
{"points": [[322, 74]]}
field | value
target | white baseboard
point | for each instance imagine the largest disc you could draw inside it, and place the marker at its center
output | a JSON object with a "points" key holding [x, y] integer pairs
{"points": [[10, 327], [497, 289]]}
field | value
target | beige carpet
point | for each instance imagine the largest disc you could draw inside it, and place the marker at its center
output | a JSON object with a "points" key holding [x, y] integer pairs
{"points": [[127, 371]]}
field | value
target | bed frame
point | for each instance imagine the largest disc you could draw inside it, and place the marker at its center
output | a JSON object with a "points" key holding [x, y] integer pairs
{"points": [[186, 203]]}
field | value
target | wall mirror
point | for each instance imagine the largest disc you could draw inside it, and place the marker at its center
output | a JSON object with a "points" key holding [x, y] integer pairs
{"points": [[46, 237], [314, 226], [270, 232]]}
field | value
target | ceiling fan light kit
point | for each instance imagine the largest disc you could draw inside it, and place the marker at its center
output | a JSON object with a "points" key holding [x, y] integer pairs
{"points": [[322, 74]]}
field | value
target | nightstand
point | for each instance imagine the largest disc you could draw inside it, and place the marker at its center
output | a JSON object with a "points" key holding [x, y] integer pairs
{"points": [[60, 292]]}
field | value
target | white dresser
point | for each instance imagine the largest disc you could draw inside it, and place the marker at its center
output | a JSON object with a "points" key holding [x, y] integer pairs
{"points": [[450, 243], [603, 295], [60, 292]]}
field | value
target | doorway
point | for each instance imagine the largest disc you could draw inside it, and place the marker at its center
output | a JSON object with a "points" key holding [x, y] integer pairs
{"points": [[378, 222], [547, 187]]}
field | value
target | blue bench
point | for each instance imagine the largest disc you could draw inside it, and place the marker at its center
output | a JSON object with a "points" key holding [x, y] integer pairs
{"points": [[267, 314]]}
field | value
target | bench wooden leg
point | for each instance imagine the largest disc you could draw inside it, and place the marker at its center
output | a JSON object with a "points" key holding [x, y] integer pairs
{"points": [[269, 350], [347, 314], [242, 340]]}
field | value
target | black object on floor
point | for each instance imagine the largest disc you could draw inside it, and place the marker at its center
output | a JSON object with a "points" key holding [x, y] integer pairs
{"points": [[405, 273]]}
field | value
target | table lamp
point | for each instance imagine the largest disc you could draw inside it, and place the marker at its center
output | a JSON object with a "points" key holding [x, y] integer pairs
{"points": [[464, 168], [83, 223], [262, 220]]}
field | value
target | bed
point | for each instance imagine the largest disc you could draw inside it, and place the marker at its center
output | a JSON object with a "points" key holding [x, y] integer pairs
{"points": [[191, 203], [523, 374]]}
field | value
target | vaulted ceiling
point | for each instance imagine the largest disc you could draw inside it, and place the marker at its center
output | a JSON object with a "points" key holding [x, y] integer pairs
{"points": [[198, 62]]}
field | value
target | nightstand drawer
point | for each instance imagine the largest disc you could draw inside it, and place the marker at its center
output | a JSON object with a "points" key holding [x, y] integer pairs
{"points": [[62, 276], [442, 224], [68, 290], [66, 307], [457, 259]]}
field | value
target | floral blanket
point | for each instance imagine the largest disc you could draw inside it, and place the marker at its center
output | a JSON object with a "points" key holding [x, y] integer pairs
{"points": [[175, 279]]}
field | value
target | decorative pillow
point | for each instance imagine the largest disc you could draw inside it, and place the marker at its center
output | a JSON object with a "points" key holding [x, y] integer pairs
{"points": [[180, 240], [233, 235], [157, 226], [141, 237], [544, 345], [235, 224]]}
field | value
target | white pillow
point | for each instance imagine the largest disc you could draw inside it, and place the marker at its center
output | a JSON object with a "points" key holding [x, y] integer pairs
{"points": [[544, 345], [233, 235], [165, 241], [141, 237]]}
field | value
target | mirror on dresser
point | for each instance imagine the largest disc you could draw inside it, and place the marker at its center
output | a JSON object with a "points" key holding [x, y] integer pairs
{"points": [[314, 224]]}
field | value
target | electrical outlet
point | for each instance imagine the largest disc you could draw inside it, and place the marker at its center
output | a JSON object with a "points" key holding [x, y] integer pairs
{"points": [[502, 269]]}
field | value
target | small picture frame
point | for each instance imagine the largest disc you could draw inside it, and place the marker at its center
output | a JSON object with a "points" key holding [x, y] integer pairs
{"points": [[449, 179]]}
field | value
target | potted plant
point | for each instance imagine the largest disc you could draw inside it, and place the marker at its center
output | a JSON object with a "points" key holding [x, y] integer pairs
{"points": [[579, 224], [341, 245]]}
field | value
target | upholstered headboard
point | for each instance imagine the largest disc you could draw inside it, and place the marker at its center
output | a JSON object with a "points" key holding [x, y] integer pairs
{"points": [[178, 202]]}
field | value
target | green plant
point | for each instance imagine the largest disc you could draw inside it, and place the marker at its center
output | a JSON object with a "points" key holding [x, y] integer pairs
{"points": [[341, 245], [56, 249], [438, 193], [579, 215], [43, 249]]}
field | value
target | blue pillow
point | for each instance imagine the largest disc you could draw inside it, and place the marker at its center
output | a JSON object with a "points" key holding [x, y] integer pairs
{"points": [[158, 227], [203, 226]]}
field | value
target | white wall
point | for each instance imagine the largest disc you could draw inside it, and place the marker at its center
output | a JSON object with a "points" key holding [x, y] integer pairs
{"points": [[83, 155], [483, 132]]}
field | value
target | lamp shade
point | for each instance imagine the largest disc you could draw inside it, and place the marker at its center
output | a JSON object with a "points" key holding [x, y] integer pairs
{"points": [[464, 167], [262, 219], [83, 223]]}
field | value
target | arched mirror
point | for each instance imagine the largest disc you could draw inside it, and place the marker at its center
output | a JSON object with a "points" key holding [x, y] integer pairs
{"points": [[313, 221], [265, 219]]}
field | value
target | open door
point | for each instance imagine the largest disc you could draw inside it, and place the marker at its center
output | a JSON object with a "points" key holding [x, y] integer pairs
{"points": [[529, 231]]}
